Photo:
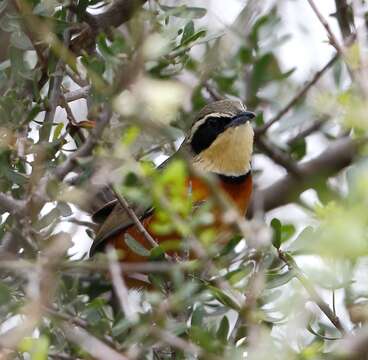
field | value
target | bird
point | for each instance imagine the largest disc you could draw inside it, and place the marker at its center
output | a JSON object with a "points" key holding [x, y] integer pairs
{"points": [[219, 142]]}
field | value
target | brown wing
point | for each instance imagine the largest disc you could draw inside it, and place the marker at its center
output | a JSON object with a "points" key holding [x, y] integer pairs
{"points": [[112, 219]]}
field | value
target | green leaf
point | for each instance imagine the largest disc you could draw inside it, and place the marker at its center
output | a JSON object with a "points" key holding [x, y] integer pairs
{"points": [[64, 209], [259, 119], [5, 295], [121, 327], [3, 5], [204, 338], [187, 12], [61, 210], [188, 32], [57, 131], [298, 149], [223, 298], [276, 280], [245, 55], [223, 330], [21, 41], [135, 246], [16, 177], [281, 233], [37, 348], [198, 316], [287, 231], [239, 274], [157, 253], [276, 238], [302, 244], [192, 38], [33, 113]]}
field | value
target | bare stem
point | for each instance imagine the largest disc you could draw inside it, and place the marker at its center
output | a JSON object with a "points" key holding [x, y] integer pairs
{"points": [[333, 40], [119, 286], [135, 219], [325, 308], [302, 92]]}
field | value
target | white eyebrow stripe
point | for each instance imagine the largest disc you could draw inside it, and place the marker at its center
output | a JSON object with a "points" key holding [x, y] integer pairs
{"points": [[203, 120]]}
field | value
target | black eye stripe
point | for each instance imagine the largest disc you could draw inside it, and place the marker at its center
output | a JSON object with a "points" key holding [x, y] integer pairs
{"points": [[207, 132]]}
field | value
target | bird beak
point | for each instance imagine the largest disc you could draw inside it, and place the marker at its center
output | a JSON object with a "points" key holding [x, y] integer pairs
{"points": [[241, 118]]}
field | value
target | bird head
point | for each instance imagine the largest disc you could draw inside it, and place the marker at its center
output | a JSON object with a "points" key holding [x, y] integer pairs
{"points": [[221, 138]]}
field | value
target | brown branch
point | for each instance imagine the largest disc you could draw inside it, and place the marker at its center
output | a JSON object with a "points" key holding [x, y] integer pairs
{"points": [[355, 345], [315, 126], [9, 204], [302, 92], [89, 343], [336, 157], [135, 219], [215, 95], [55, 86], [278, 156], [77, 94], [10, 263], [119, 285], [332, 38], [86, 149], [344, 18], [325, 308], [179, 343]]}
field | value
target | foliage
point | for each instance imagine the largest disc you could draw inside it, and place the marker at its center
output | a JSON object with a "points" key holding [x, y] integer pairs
{"points": [[90, 99]]}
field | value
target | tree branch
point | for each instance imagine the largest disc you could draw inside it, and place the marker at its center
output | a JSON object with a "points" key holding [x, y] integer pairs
{"points": [[332, 38], [278, 156], [86, 149], [302, 92], [77, 94], [325, 308], [119, 285], [89, 343], [344, 18], [135, 219], [315, 126], [55, 86], [336, 157], [9, 204]]}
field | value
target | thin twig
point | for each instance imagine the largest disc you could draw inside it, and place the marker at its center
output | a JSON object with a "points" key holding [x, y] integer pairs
{"points": [[9, 204], [23, 266], [297, 96], [77, 94], [120, 286], [332, 38], [76, 221], [177, 342], [325, 308], [86, 149], [135, 219], [338, 155], [277, 156], [315, 126], [213, 92], [344, 18], [55, 86], [89, 343]]}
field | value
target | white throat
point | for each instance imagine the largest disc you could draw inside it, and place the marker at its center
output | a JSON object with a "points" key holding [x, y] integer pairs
{"points": [[230, 154]]}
